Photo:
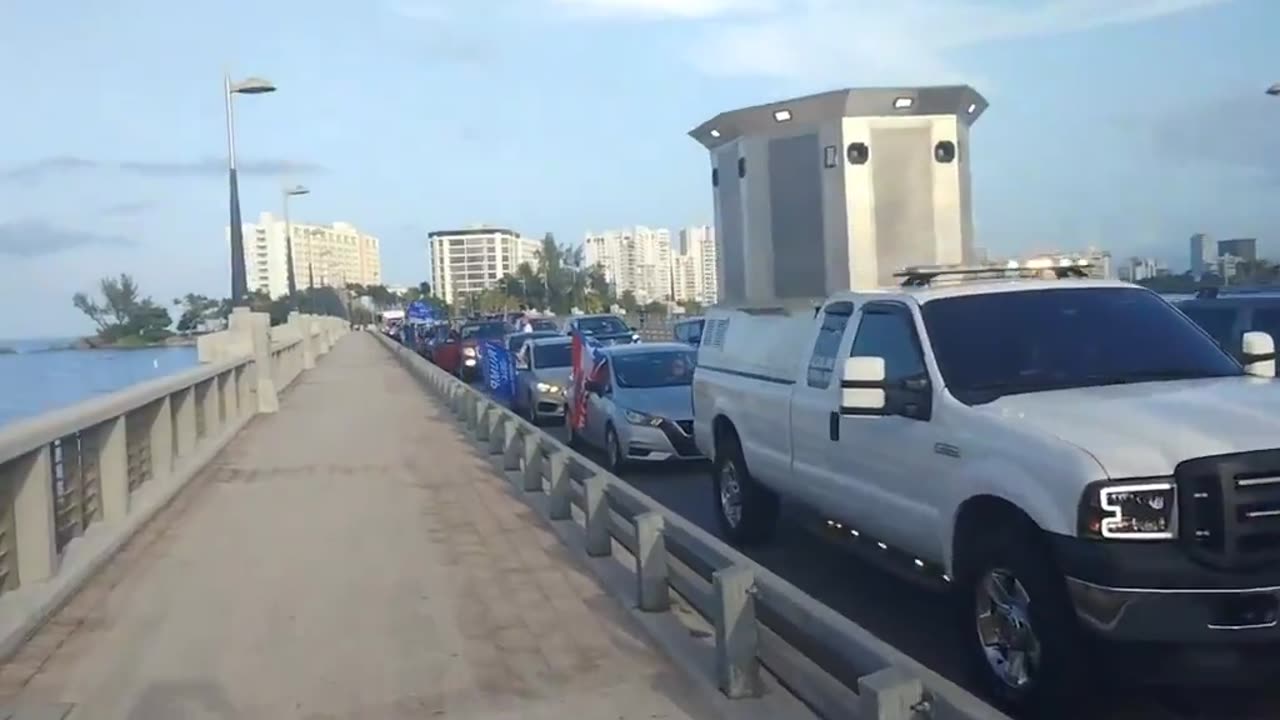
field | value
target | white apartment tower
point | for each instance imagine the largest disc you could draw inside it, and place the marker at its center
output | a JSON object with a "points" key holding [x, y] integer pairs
{"points": [[698, 256], [469, 261], [323, 255], [637, 259]]}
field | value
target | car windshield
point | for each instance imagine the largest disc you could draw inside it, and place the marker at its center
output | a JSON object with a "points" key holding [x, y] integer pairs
{"points": [[602, 326], [484, 331], [664, 368], [515, 342], [999, 344], [555, 355], [548, 325]]}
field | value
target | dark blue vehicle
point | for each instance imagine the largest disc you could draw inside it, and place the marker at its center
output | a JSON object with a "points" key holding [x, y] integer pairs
{"points": [[1228, 313]]}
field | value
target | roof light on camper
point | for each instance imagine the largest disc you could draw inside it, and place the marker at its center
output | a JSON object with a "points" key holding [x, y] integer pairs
{"points": [[903, 103], [715, 133], [972, 107], [781, 115]]}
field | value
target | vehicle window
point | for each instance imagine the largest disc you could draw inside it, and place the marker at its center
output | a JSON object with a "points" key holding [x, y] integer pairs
{"points": [[601, 326], [822, 365], [484, 331], [1266, 320], [544, 325], [552, 356], [1219, 322], [1002, 343], [666, 368], [516, 342], [682, 333], [890, 333]]}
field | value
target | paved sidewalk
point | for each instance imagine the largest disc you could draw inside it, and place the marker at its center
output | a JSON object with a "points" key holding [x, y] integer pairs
{"points": [[348, 557]]}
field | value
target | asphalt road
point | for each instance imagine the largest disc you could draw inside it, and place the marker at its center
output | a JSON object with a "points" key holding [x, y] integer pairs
{"points": [[913, 620]]}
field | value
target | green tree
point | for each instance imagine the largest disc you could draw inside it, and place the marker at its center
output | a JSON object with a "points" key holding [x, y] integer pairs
{"points": [[124, 316], [196, 310], [692, 307], [628, 302], [656, 308]]}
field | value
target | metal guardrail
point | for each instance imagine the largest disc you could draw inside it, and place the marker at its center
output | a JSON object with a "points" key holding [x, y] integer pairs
{"points": [[834, 665]]}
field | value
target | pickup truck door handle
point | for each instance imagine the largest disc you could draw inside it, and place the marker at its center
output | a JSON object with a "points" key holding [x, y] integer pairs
{"points": [[833, 425]]}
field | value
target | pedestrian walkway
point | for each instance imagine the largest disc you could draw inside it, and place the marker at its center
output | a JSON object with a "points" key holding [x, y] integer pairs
{"points": [[351, 556]]}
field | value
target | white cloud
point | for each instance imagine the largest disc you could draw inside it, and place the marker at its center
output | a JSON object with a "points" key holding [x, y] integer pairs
{"points": [[681, 9], [880, 41]]}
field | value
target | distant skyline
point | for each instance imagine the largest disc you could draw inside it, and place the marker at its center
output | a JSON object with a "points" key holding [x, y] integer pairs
{"points": [[1128, 124]]}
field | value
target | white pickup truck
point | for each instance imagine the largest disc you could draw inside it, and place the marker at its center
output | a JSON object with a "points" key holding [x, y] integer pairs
{"points": [[1062, 454]]}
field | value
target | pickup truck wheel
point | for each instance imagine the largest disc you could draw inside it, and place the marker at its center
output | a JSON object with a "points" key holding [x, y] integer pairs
{"points": [[747, 511], [1023, 631]]}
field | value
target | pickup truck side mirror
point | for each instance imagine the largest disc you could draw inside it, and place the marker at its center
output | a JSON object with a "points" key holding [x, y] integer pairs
{"points": [[594, 386], [521, 363], [1259, 354], [862, 386]]}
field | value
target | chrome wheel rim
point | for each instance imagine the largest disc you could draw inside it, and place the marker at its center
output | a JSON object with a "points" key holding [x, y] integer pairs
{"points": [[1004, 627], [730, 495]]}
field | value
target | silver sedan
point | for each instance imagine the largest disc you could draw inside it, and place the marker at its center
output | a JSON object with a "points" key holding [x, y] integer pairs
{"points": [[542, 372], [639, 405]]}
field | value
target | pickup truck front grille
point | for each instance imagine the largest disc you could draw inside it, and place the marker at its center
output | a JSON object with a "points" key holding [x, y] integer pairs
{"points": [[1229, 508]]}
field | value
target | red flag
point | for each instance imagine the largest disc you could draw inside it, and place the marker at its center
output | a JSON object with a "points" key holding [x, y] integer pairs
{"points": [[578, 410]]}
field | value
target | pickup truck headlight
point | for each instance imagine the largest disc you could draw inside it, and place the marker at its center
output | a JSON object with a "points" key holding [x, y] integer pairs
{"points": [[546, 387], [469, 352], [1129, 510], [639, 418]]}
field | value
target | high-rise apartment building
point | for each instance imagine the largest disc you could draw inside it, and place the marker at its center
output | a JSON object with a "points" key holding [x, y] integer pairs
{"points": [[1244, 248], [698, 246], [635, 260], [323, 255], [1204, 255], [469, 261]]}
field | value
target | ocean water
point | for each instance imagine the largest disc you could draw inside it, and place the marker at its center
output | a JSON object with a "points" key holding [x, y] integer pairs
{"points": [[38, 379]]}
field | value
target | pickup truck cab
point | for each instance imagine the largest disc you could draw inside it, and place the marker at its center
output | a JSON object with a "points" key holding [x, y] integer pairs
{"points": [[1078, 462]]}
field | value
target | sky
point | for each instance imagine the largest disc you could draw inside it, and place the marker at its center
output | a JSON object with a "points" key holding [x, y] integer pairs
{"points": [[1129, 124]]}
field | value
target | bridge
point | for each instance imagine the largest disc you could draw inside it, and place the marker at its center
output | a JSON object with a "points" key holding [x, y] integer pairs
{"points": [[319, 524], [315, 523]]}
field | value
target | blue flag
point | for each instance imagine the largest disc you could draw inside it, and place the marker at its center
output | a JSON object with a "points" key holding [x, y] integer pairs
{"points": [[499, 371]]}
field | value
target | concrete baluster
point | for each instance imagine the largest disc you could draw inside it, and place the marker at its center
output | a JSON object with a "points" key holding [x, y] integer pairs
{"points": [[227, 386], [184, 413], [561, 501], [109, 438], [598, 541], [737, 636], [531, 472], [497, 424], [302, 323], [511, 443], [481, 429], [652, 593], [33, 516], [161, 435]]}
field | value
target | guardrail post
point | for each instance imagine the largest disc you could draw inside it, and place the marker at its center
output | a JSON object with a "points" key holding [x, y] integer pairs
{"points": [[257, 327], [469, 408], [113, 467], [651, 563], [161, 437], [497, 437], [481, 430], [33, 519], [532, 459], [560, 504], [737, 637], [890, 694], [599, 542], [510, 443]]}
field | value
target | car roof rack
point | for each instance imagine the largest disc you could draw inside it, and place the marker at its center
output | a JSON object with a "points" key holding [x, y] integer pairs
{"points": [[924, 275]]}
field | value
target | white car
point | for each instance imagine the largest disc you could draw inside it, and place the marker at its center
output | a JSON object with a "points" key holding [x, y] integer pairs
{"points": [[1080, 463]]}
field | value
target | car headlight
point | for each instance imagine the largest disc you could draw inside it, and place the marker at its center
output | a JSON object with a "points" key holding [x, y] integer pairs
{"points": [[1129, 510], [547, 387], [468, 352], [639, 418]]}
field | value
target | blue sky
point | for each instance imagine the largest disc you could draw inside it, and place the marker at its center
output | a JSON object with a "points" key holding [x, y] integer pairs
{"points": [[1129, 123]]}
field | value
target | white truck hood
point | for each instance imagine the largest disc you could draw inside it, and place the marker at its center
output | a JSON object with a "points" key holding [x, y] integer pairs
{"points": [[1146, 429]]}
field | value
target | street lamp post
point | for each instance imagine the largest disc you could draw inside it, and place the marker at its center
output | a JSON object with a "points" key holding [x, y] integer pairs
{"points": [[285, 194], [251, 86]]}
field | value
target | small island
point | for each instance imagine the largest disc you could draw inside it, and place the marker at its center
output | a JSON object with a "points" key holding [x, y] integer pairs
{"points": [[124, 318]]}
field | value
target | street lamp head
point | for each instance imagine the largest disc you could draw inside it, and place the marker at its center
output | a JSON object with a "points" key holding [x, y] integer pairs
{"points": [[297, 190], [1274, 90], [253, 86]]}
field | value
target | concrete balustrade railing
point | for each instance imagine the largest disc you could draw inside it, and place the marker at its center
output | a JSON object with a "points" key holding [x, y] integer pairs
{"points": [[76, 483], [760, 620]]}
